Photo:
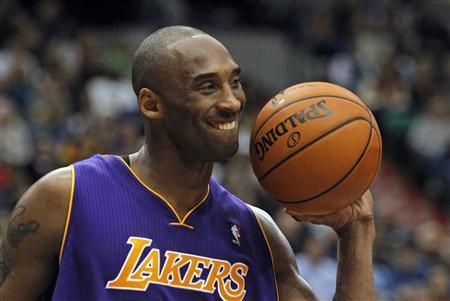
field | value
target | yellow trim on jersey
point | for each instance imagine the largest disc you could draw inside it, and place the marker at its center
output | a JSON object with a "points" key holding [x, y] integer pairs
{"points": [[196, 206], [270, 252], [69, 211], [181, 221], [180, 224]]}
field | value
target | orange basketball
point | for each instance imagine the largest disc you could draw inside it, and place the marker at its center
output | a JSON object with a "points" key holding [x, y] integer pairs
{"points": [[315, 147]]}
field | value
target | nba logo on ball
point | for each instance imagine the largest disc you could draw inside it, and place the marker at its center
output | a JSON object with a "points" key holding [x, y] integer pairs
{"points": [[315, 147]]}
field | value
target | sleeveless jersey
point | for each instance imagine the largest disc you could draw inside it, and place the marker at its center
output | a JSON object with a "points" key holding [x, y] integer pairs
{"points": [[123, 241]]}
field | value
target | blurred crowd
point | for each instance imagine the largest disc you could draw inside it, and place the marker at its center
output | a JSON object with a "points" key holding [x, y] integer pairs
{"points": [[65, 94]]}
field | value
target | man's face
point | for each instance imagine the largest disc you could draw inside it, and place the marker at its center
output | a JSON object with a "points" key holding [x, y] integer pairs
{"points": [[205, 100]]}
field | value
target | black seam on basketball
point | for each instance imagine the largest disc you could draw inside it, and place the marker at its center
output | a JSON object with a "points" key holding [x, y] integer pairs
{"points": [[342, 179], [379, 162], [304, 99], [378, 135], [379, 158], [282, 161], [380, 143]]}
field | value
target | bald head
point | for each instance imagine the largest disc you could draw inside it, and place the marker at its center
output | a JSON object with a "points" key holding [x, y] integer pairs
{"points": [[152, 61]]}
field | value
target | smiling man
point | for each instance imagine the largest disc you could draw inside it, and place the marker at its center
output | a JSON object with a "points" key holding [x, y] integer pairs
{"points": [[154, 225]]}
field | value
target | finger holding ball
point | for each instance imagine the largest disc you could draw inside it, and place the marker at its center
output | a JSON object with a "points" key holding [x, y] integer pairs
{"points": [[315, 148]]}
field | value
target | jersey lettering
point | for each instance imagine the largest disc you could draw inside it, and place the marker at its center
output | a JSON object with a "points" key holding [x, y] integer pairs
{"points": [[180, 270]]}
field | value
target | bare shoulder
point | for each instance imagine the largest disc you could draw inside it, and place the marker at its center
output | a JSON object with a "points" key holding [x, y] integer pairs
{"points": [[54, 185], [43, 207], [290, 285], [276, 238], [29, 252], [263, 217]]}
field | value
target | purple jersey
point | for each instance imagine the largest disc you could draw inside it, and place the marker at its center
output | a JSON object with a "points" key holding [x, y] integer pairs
{"points": [[124, 241]]}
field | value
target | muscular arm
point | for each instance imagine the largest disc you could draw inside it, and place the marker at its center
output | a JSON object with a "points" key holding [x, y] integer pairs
{"points": [[354, 275], [291, 286], [355, 228], [29, 253], [356, 232]]}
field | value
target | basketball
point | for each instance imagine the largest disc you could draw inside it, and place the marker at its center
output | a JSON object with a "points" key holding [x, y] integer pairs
{"points": [[315, 148]]}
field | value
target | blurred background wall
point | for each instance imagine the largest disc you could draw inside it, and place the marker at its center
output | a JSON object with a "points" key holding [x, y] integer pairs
{"points": [[65, 94]]}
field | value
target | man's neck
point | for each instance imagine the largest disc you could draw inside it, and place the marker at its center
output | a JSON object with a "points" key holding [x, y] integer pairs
{"points": [[183, 184]]}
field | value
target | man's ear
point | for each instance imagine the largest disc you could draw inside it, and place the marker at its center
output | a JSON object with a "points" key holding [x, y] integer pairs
{"points": [[150, 104]]}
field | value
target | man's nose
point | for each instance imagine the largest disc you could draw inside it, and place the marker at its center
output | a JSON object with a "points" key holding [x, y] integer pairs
{"points": [[229, 102]]}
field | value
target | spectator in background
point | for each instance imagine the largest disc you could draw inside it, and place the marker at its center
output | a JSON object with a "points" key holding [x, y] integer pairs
{"points": [[317, 266], [439, 283], [16, 147], [20, 71], [408, 268], [109, 93], [429, 135], [429, 141]]}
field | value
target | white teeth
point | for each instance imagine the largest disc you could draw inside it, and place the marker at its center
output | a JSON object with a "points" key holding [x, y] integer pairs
{"points": [[226, 126]]}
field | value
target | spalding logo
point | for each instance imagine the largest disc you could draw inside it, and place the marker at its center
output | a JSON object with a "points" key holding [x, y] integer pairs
{"points": [[315, 111]]}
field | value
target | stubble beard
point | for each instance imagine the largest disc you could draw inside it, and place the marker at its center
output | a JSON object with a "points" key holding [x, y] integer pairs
{"points": [[222, 152]]}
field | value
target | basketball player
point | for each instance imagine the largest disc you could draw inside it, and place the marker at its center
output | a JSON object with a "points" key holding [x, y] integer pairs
{"points": [[154, 225]]}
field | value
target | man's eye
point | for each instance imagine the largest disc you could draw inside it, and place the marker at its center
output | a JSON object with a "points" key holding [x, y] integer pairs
{"points": [[235, 83], [208, 88]]}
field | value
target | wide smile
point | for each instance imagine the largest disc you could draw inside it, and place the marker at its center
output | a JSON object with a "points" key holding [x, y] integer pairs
{"points": [[223, 126]]}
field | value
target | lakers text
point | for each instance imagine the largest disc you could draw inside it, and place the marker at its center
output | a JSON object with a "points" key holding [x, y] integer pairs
{"points": [[179, 270]]}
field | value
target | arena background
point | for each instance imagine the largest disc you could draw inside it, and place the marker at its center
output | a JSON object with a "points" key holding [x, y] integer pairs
{"points": [[65, 94]]}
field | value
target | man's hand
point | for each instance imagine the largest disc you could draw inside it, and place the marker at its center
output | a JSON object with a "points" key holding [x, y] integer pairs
{"points": [[356, 233], [362, 209]]}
